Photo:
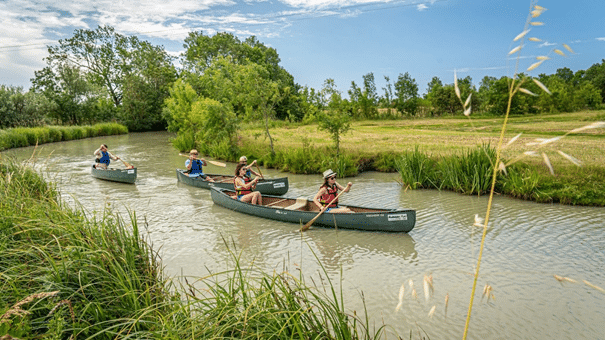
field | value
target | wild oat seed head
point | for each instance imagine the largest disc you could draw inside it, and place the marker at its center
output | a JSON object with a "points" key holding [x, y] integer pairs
{"points": [[559, 52], [568, 48], [534, 65], [536, 23], [502, 168], [515, 50], [467, 111], [570, 158], [456, 88], [526, 91], [534, 39], [535, 13], [521, 35], [540, 8], [547, 162], [594, 125], [432, 311], [542, 86], [468, 100], [530, 153], [513, 140]]}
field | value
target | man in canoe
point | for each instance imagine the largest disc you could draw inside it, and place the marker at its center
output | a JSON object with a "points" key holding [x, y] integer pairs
{"points": [[328, 192], [194, 166], [249, 172], [103, 157], [244, 186]]}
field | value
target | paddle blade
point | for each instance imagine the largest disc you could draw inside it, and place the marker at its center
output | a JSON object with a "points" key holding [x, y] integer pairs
{"points": [[217, 163]]}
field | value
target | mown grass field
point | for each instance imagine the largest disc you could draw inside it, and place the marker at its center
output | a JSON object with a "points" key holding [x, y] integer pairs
{"points": [[443, 136]]}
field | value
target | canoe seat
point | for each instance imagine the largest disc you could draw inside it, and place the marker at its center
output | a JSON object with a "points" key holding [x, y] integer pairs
{"points": [[300, 202]]}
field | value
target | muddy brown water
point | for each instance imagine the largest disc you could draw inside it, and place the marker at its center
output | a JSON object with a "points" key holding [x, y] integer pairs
{"points": [[526, 244]]}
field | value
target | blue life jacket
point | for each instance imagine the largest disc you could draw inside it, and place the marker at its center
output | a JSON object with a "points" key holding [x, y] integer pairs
{"points": [[105, 159], [196, 167]]}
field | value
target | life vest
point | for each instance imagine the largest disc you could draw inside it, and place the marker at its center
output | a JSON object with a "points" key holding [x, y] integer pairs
{"points": [[196, 167], [240, 190], [105, 159], [329, 196]]}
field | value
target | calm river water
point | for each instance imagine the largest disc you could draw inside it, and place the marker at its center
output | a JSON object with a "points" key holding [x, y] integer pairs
{"points": [[526, 245]]}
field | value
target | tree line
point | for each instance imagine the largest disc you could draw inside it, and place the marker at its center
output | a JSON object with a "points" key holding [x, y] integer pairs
{"points": [[100, 75]]}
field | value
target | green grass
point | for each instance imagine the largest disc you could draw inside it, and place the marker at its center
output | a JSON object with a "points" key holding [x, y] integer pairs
{"points": [[22, 137]]}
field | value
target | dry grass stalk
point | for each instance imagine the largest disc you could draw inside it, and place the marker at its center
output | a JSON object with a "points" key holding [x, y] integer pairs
{"points": [[447, 300], [479, 221], [593, 286], [426, 288], [547, 162], [16, 309], [564, 279], [570, 158], [401, 294], [432, 311]]}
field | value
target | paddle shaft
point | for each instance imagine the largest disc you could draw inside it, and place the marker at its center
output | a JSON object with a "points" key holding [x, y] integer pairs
{"points": [[211, 162], [126, 164], [308, 225], [259, 172]]}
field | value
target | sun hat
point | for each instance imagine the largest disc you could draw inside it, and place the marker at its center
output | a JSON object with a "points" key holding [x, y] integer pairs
{"points": [[243, 158], [329, 173]]}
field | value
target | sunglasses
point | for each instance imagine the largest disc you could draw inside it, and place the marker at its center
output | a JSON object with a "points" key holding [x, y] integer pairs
{"points": [[333, 177]]}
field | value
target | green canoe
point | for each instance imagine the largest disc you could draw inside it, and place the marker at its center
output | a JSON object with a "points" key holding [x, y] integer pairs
{"points": [[267, 186], [302, 210], [115, 175]]}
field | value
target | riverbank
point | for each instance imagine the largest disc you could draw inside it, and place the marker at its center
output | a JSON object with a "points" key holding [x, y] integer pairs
{"points": [[67, 275], [22, 137], [441, 144]]}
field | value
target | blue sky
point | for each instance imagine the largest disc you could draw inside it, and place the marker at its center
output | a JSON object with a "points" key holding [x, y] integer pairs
{"points": [[321, 39]]}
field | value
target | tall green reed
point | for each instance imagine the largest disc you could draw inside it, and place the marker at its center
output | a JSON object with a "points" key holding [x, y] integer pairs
{"points": [[417, 170]]}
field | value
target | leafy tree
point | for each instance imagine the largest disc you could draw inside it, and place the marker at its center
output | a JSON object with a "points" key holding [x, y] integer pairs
{"points": [[72, 96], [596, 75], [102, 54], [20, 109], [406, 92], [146, 86], [205, 120], [201, 50], [335, 119]]}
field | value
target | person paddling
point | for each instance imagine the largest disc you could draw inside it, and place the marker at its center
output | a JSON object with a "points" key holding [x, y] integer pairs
{"points": [[328, 192], [195, 166], [249, 172], [244, 186], [103, 157]]}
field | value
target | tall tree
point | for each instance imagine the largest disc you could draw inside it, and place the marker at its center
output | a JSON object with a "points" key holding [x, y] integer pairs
{"points": [[406, 91], [335, 119]]}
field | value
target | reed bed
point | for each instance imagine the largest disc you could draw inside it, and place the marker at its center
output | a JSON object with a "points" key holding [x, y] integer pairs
{"points": [[67, 276], [21, 137]]}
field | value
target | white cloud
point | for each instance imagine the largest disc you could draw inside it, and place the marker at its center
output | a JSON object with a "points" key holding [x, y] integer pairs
{"points": [[601, 39], [421, 7], [546, 44]]}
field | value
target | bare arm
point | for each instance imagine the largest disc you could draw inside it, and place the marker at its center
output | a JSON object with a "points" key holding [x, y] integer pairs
{"points": [[317, 196], [240, 184], [345, 189]]}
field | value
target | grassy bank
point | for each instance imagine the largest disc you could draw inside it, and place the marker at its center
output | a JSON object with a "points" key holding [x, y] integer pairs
{"points": [[442, 142], [21, 137], [64, 275]]}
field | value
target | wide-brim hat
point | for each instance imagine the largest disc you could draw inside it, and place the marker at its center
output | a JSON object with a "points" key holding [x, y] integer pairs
{"points": [[329, 173]]}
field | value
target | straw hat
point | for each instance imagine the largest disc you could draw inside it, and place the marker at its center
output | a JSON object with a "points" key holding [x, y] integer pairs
{"points": [[329, 173]]}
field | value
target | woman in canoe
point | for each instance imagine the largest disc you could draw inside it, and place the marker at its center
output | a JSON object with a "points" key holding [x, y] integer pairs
{"points": [[244, 186], [328, 192], [194, 166], [249, 172], [103, 157]]}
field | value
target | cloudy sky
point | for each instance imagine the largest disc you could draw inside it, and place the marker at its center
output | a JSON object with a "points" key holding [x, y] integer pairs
{"points": [[321, 39]]}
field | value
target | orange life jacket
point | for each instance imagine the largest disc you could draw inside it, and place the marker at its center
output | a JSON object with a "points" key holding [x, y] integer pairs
{"points": [[329, 196], [240, 190]]}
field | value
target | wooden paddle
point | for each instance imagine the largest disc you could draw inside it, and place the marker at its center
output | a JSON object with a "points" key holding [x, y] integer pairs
{"points": [[259, 172], [127, 165], [221, 164], [308, 225]]}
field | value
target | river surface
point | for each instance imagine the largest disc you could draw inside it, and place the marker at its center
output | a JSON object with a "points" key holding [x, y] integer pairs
{"points": [[526, 244]]}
